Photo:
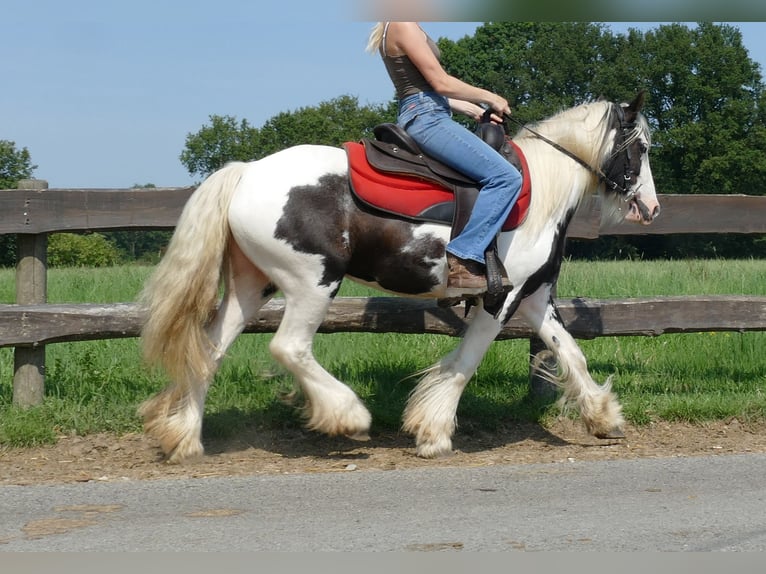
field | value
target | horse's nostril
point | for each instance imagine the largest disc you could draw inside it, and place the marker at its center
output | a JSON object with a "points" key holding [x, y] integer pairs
{"points": [[656, 212]]}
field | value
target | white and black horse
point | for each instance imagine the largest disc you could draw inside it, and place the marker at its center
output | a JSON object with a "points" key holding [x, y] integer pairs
{"points": [[289, 223]]}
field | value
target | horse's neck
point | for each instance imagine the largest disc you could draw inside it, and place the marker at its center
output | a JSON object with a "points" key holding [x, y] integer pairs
{"points": [[558, 183], [581, 130]]}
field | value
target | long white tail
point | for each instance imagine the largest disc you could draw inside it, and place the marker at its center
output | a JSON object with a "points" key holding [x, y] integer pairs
{"points": [[182, 293]]}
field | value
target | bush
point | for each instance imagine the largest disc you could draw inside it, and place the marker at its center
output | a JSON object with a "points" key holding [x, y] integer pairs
{"points": [[75, 250]]}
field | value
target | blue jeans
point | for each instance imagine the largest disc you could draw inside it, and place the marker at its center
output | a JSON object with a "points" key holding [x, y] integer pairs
{"points": [[427, 118]]}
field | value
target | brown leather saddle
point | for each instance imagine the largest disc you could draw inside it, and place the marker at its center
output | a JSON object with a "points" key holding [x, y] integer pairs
{"points": [[394, 151]]}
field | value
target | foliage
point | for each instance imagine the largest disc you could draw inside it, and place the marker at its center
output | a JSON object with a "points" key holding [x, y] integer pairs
{"points": [[703, 101], [76, 250], [704, 92], [15, 165], [147, 246], [541, 67], [705, 105], [330, 123], [224, 140]]}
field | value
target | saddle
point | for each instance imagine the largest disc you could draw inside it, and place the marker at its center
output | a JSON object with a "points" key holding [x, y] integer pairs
{"points": [[390, 174]]}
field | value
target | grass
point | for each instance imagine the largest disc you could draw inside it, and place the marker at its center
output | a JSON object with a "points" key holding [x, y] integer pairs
{"points": [[96, 386]]}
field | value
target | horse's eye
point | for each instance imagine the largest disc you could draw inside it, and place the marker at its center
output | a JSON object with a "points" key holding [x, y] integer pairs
{"points": [[643, 148]]}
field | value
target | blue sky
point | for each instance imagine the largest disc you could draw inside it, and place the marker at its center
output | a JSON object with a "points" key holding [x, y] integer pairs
{"points": [[103, 94]]}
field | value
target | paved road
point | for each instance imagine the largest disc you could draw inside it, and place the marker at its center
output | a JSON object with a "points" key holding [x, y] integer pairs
{"points": [[705, 503]]}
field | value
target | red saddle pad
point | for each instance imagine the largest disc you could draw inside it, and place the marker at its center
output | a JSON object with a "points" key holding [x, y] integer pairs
{"points": [[410, 196]]}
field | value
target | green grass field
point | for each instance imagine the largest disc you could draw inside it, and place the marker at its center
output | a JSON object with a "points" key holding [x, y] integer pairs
{"points": [[96, 386]]}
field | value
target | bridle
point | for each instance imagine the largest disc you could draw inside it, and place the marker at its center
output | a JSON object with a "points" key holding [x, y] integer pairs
{"points": [[626, 128]]}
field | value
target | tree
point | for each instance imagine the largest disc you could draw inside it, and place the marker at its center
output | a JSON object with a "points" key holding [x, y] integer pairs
{"points": [[224, 140], [540, 67], [330, 123], [81, 250], [705, 105], [704, 99], [15, 165]]}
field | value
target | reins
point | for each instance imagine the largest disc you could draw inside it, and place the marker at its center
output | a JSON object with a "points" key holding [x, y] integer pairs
{"points": [[613, 185]]}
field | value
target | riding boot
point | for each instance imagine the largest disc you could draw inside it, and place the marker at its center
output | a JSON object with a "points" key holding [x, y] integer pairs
{"points": [[470, 274], [465, 273]]}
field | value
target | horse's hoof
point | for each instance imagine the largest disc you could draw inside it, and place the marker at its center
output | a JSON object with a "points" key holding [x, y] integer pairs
{"points": [[445, 454], [437, 455], [442, 450], [612, 434], [362, 436]]}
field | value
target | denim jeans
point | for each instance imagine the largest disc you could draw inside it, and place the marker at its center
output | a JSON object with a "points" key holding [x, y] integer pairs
{"points": [[427, 118]]}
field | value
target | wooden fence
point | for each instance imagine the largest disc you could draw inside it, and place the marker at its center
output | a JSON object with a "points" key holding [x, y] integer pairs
{"points": [[33, 211]]}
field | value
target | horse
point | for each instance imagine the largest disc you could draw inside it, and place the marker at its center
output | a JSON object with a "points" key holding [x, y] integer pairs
{"points": [[290, 223]]}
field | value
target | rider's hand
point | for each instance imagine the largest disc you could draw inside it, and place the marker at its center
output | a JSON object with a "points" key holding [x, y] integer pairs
{"points": [[500, 106]]}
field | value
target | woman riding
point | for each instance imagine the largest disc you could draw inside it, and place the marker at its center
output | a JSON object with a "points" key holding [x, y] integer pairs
{"points": [[427, 96]]}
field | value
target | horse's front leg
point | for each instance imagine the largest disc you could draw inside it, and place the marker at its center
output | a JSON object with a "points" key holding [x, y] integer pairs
{"points": [[597, 404], [431, 410]]}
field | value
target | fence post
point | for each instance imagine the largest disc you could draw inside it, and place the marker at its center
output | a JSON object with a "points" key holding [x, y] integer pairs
{"points": [[31, 289]]}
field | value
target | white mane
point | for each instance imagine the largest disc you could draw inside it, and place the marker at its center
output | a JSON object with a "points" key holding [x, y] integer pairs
{"points": [[558, 181]]}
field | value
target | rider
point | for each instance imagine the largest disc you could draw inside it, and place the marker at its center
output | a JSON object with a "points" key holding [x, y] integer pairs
{"points": [[427, 96]]}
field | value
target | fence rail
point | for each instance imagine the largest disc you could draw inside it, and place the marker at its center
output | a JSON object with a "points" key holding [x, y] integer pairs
{"points": [[36, 325], [33, 211], [36, 211]]}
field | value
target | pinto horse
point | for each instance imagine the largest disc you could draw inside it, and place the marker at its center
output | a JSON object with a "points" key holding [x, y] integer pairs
{"points": [[289, 223]]}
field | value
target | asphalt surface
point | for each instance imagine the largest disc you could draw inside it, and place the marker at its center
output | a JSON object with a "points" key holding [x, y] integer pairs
{"points": [[669, 504]]}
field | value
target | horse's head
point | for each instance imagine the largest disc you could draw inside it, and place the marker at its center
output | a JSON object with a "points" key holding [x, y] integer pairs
{"points": [[629, 186]]}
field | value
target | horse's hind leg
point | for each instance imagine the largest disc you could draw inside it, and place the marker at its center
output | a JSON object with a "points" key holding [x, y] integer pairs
{"points": [[331, 407], [597, 404], [174, 416]]}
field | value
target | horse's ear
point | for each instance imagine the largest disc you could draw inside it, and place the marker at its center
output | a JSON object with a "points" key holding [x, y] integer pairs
{"points": [[638, 102]]}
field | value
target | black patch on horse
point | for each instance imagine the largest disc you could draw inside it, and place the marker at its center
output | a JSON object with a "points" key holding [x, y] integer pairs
{"points": [[305, 207], [354, 242]]}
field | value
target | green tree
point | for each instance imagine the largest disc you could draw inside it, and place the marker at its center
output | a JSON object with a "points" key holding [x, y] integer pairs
{"points": [[80, 250], [224, 140], [15, 165], [705, 97], [705, 94], [705, 105], [330, 123], [540, 67]]}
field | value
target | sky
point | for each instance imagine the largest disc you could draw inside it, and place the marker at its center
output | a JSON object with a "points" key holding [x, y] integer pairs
{"points": [[103, 94]]}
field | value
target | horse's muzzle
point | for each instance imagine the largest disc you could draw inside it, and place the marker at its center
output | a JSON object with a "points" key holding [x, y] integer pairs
{"points": [[640, 212]]}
